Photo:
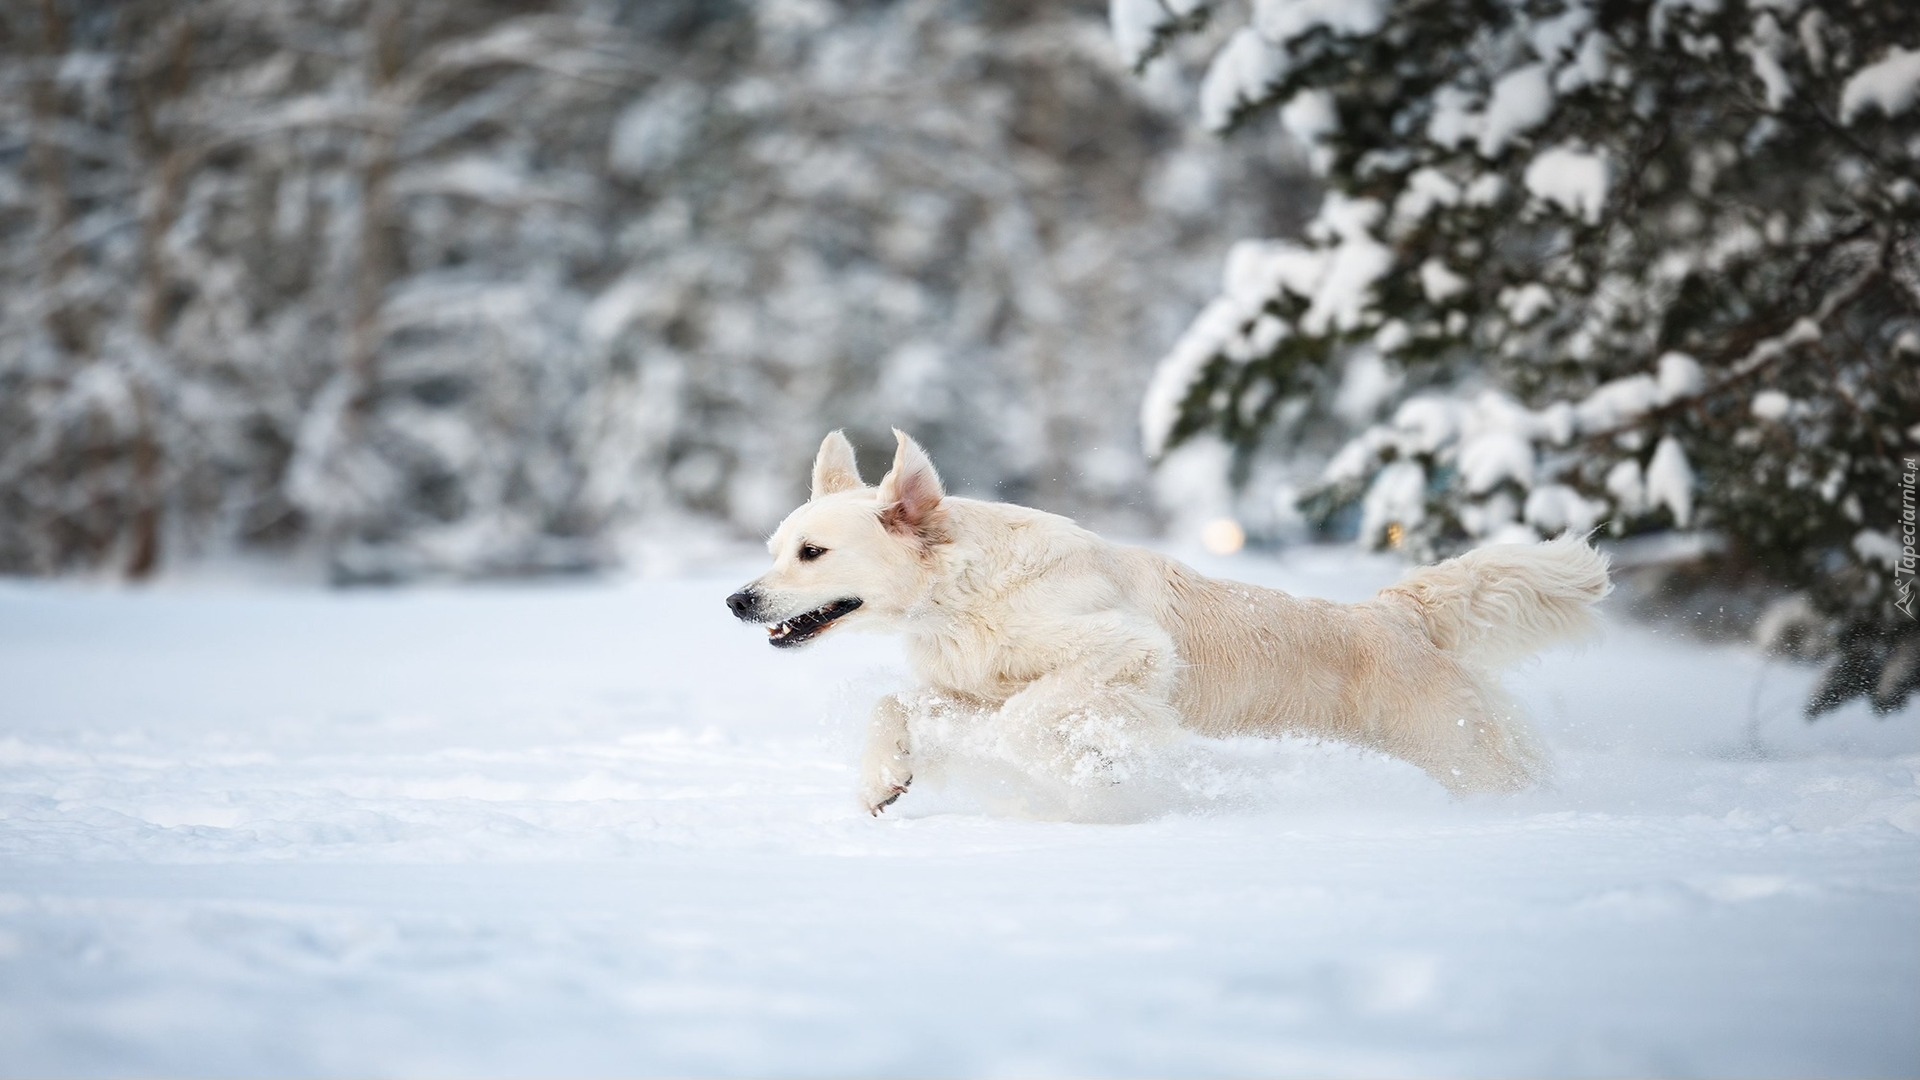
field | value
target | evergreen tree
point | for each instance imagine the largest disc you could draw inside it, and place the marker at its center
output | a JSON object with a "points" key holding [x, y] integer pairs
{"points": [[1647, 265]]}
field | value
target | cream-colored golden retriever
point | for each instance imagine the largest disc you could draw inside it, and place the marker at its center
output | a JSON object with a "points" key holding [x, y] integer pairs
{"points": [[1072, 645]]}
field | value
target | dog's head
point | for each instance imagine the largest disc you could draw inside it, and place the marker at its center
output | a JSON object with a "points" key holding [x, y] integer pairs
{"points": [[851, 554]]}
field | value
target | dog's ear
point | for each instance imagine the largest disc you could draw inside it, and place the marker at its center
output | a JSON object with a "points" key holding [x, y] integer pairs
{"points": [[910, 495], [833, 469]]}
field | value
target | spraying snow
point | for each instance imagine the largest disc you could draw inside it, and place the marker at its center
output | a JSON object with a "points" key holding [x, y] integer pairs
{"points": [[597, 829]]}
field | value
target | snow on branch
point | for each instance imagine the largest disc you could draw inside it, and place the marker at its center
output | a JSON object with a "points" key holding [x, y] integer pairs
{"points": [[1142, 27], [1334, 280], [1890, 85], [1574, 180]]}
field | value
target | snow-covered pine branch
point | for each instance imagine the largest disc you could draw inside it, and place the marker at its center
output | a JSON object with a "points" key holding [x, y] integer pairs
{"points": [[1646, 265]]}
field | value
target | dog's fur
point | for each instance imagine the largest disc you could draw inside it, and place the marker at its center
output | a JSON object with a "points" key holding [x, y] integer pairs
{"points": [[1068, 641]]}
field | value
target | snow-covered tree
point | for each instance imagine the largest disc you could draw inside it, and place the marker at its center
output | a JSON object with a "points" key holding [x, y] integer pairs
{"points": [[292, 271], [446, 286], [957, 220], [1653, 266]]}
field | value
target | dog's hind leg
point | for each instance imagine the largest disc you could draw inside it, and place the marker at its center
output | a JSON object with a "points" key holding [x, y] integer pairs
{"points": [[1454, 721]]}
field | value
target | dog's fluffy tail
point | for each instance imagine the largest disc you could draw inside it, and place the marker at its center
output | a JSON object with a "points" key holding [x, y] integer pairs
{"points": [[1496, 605]]}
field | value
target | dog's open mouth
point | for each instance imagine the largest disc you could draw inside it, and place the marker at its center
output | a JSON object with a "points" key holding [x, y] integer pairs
{"points": [[801, 628]]}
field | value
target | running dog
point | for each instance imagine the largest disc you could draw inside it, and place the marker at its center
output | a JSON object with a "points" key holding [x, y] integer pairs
{"points": [[1070, 643]]}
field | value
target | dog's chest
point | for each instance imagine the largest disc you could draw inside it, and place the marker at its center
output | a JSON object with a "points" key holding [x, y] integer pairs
{"points": [[974, 660]]}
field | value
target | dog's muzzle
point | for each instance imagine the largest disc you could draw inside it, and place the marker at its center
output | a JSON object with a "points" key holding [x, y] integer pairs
{"points": [[748, 606]]}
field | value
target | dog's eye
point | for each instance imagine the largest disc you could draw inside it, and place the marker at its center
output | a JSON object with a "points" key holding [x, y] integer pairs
{"points": [[809, 552]]}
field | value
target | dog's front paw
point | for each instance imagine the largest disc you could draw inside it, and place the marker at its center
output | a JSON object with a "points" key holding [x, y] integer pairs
{"points": [[891, 796], [882, 787], [887, 767]]}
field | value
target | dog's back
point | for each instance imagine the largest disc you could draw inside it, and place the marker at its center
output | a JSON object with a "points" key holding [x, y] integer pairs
{"points": [[1413, 672]]}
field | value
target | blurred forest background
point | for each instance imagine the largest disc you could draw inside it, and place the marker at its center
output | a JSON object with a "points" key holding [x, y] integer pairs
{"points": [[475, 288], [479, 288]]}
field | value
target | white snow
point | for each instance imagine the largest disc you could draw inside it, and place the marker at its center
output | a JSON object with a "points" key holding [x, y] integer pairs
{"points": [[1439, 283], [1487, 439], [1677, 376], [1664, 11], [1453, 120], [1486, 189], [1764, 51], [1617, 401], [1337, 279], [1309, 117], [1574, 180], [1284, 20], [1234, 326], [1522, 100], [1356, 459], [1366, 383], [1239, 76], [1392, 336], [1136, 23], [1591, 65], [1427, 423], [1526, 302], [1426, 188], [1670, 480], [1557, 508], [1489, 458], [1344, 292], [1771, 405], [1174, 376], [1768, 350], [1553, 38], [1891, 85], [1398, 495], [1257, 271], [604, 829], [1627, 486], [1880, 547], [653, 132]]}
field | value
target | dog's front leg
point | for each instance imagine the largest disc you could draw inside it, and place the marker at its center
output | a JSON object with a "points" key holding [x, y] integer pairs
{"points": [[887, 767]]}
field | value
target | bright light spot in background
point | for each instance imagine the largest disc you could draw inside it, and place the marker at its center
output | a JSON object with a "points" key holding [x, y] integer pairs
{"points": [[1396, 535], [1223, 536]]}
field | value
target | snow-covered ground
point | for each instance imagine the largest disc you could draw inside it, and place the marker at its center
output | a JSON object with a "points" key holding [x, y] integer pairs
{"points": [[602, 829]]}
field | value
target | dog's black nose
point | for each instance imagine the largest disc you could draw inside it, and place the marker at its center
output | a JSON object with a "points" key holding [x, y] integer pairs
{"points": [[741, 603]]}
